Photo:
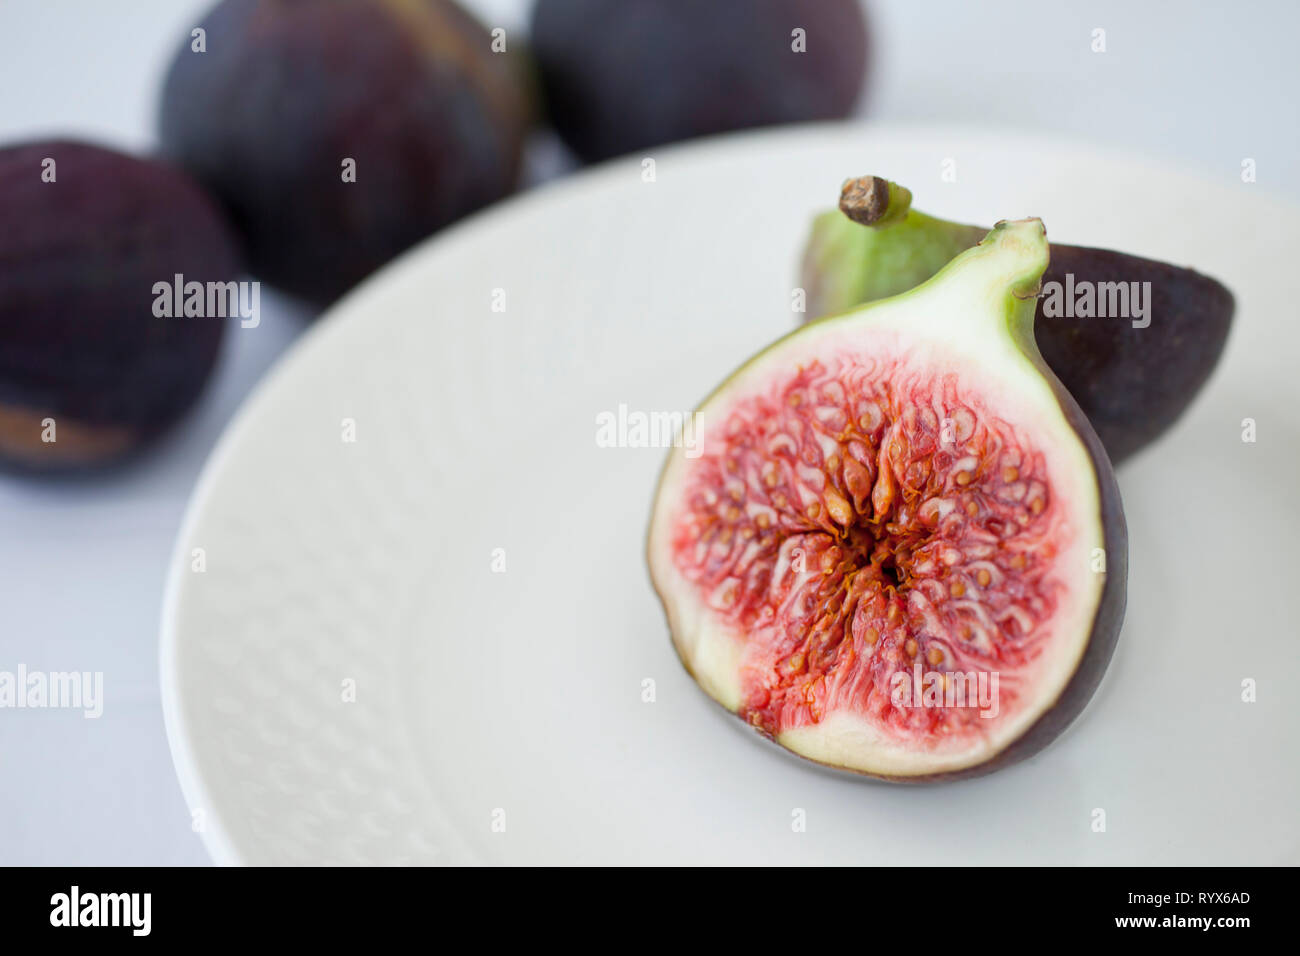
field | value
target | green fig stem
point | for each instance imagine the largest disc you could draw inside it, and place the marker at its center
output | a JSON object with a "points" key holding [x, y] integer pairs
{"points": [[845, 264]]}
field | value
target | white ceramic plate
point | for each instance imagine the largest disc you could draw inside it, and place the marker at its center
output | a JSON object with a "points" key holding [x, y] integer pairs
{"points": [[500, 716]]}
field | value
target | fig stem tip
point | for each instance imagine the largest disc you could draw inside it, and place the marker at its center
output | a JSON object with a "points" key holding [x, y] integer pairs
{"points": [[874, 201]]}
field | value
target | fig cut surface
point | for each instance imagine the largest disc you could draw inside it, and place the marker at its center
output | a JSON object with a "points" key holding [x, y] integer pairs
{"points": [[896, 546]]}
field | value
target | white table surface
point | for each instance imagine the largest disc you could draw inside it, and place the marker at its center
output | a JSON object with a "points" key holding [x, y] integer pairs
{"points": [[82, 564]]}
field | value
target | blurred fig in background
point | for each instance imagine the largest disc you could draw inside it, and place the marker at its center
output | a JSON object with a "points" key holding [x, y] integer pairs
{"points": [[622, 75], [94, 360], [339, 134]]}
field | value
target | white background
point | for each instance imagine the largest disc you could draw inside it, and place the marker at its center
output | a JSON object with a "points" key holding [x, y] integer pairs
{"points": [[82, 564]]}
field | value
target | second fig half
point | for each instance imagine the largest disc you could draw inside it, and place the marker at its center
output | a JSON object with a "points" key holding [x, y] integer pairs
{"points": [[1134, 340]]}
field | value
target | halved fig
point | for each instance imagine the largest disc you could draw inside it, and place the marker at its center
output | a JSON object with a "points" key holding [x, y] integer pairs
{"points": [[897, 546]]}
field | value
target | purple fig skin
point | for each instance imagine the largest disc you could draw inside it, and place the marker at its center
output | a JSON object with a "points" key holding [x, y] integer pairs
{"points": [[624, 75], [1136, 382], [79, 341], [288, 91]]}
